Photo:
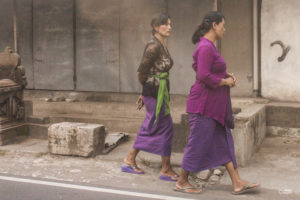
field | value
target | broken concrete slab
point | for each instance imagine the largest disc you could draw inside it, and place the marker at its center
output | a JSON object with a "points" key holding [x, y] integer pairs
{"points": [[112, 140]]}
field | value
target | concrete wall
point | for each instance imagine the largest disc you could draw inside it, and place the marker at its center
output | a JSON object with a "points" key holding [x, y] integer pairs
{"points": [[97, 45], [53, 48], [135, 31], [25, 42], [237, 44], [6, 21], [280, 21], [24, 14], [186, 15]]}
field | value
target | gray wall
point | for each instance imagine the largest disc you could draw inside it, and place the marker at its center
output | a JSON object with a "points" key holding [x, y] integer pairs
{"points": [[25, 43], [186, 15], [135, 31], [280, 21], [6, 21], [53, 44], [97, 45], [237, 44]]}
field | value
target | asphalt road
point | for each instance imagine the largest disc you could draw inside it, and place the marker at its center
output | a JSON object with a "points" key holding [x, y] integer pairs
{"points": [[16, 188]]}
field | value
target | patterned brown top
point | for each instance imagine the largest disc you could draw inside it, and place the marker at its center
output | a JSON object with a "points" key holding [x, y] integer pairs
{"points": [[156, 60]]}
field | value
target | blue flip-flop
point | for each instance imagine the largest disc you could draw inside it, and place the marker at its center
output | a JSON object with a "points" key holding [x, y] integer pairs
{"points": [[168, 178], [130, 169]]}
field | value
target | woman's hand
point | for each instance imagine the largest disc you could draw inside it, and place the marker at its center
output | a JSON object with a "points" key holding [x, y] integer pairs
{"points": [[230, 82], [140, 103], [233, 77]]}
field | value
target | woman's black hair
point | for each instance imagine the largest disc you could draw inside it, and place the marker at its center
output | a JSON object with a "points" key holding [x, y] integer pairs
{"points": [[205, 26], [158, 20]]}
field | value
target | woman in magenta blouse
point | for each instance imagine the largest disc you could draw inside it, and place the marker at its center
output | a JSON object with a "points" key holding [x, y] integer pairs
{"points": [[210, 143]]}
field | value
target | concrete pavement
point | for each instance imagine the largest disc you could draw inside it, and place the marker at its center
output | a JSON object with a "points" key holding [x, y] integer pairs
{"points": [[30, 161]]}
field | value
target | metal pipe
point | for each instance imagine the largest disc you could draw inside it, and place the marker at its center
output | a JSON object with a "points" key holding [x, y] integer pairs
{"points": [[15, 26], [255, 50]]}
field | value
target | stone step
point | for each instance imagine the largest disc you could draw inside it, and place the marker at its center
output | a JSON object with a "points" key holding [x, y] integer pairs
{"points": [[38, 131], [94, 96], [11, 130], [116, 124], [3, 120], [108, 109], [38, 120], [112, 124], [283, 119], [115, 116]]}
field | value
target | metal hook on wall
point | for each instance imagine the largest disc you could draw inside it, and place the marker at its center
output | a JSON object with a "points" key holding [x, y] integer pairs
{"points": [[285, 50]]}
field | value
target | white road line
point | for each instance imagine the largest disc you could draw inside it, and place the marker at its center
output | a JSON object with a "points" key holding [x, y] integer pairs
{"points": [[94, 189]]}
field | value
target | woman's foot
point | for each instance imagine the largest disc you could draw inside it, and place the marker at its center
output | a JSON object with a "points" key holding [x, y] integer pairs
{"points": [[186, 187], [131, 163], [170, 173], [243, 186]]}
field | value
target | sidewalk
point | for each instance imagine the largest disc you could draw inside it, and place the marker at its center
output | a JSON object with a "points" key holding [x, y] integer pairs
{"points": [[275, 166]]}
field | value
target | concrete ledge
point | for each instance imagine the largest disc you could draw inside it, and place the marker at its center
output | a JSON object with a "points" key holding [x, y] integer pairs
{"points": [[249, 132], [38, 120], [77, 139], [283, 131], [94, 96], [182, 131], [38, 131], [28, 109], [10, 131], [283, 115]]}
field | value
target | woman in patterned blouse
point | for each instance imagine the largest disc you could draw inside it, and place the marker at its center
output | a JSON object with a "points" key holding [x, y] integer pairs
{"points": [[156, 132]]}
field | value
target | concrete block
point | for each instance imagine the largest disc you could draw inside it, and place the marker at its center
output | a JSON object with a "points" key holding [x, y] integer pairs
{"points": [[76, 139], [249, 132], [182, 132]]}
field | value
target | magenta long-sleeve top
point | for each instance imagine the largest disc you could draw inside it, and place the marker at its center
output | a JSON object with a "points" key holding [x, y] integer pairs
{"points": [[206, 96]]}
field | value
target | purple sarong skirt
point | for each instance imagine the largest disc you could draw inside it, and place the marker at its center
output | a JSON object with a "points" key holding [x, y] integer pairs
{"points": [[155, 138], [209, 144]]}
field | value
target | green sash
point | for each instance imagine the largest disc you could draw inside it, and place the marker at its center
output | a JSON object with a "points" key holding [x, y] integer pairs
{"points": [[163, 94]]}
